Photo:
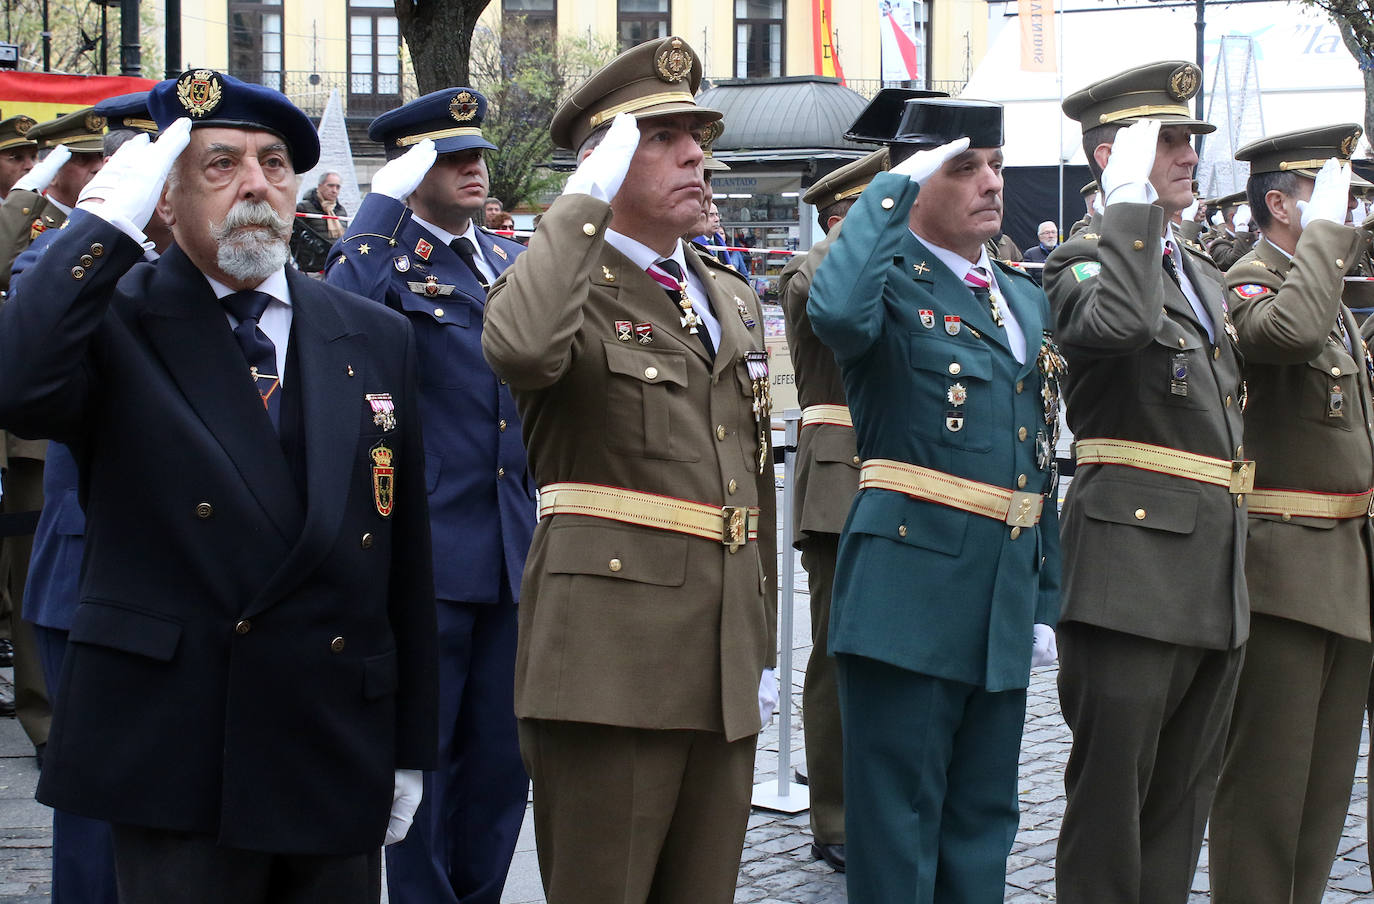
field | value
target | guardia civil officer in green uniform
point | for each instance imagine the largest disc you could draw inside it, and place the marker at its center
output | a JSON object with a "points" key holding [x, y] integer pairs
{"points": [[827, 477], [1300, 704], [1155, 610], [947, 583], [646, 629]]}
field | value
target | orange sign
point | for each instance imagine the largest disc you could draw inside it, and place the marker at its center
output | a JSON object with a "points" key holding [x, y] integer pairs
{"points": [[1038, 53]]}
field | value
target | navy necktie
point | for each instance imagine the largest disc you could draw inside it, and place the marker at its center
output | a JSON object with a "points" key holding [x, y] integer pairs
{"points": [[261, 354], [463, 245]]}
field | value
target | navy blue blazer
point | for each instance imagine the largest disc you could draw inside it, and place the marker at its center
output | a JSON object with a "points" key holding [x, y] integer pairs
{"points": [[481, 499], [244, 662]]}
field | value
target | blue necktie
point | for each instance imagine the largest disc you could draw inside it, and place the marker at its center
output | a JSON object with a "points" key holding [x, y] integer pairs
{"points": [[261, 354]]}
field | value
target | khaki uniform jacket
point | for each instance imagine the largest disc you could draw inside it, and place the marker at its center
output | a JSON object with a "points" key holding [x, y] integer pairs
{"points": [[1226, 249], [621, 624], [1307, 426], [827, 472], [1147, 553], [21, 216]]}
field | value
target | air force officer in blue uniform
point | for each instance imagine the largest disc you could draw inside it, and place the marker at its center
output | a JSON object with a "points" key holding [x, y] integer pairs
{"points": [[947, 580], [414, 246]]}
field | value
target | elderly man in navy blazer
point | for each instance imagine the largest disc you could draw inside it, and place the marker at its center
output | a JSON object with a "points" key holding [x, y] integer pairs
{"points": [[249, 691], [415, 246]]}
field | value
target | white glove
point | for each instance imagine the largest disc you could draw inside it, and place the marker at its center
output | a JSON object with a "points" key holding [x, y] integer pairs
{"points": [[1242, 218], [920, 166], [41, 176], [399, 177], [604, 169], [1217, 219], [126, 190], [1330, 196], [1126, 178], [768, 697], [1097, 204], [1043, 648], [405, 800], [1190, 212]]}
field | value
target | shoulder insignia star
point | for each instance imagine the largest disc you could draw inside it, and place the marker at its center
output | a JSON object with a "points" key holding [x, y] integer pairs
{"points": [[364, 248]]}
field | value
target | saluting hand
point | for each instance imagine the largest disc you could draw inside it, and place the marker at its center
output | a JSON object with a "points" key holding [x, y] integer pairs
{"points": [[601, 173], [126, 190], [41, 176], [403, 175], [1330, 196], [920, 166], [1126, 178]]}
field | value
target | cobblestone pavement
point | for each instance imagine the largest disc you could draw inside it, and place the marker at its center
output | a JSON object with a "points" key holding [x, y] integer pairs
{"points": [[776, 866]]}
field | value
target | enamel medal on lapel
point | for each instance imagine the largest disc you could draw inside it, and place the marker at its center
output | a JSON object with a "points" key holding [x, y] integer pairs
{"points": [[1178, 375], [383, 410], [1335, 406], [383, 478], [927, 318], [952, 324], [644, 333], [624, 330], [744, 313]]}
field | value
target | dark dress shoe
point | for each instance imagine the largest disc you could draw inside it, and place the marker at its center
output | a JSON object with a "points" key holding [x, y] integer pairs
{"points": [[6, 705], [38, 751], [832, 854], [800, 776], [6, 652]]}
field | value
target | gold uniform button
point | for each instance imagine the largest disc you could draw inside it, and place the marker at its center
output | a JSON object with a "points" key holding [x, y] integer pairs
{"points": [[1216, 353], [857, 460], [1240, 500], [1015, 532], [1138, 245], [1240, 451], [1228, 401], [901, 530], [1020, 385], [1021, 482], [97, 249], [588, 229], [503, 382], [243, 627], [614, 565], [501, 425], [1335, 371], [337, 645], [1182, 342], [651, 373], [1021, 434], [720, 431], [204, 510], [438, 312], [1140, 514], [888, 204], [78, 272], [954, 367], [24, 210], [1339, 262], [500, 472], [1287, 517], [87, 260], [732, 485], [366, 541]]}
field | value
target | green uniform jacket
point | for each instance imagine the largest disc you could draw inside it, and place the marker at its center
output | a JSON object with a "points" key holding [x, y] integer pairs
{"points": [[923, 586], [621, 624], [827, 472], [1147, 553], [1307, 425]]}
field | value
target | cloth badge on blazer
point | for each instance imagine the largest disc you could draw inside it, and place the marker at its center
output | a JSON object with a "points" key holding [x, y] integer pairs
{"points": [[644, 332], [424, 249], [957, 395], [954, 421], [1085, 270], [402, 264], [499, 251], [744, 313], [624, 330], [383, 478], [431, 287], [383, 409], [1251, 290], [952, 324]]}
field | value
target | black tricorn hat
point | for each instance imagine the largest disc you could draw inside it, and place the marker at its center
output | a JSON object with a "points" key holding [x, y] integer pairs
{"points": [[878, 121], [933, 121]]}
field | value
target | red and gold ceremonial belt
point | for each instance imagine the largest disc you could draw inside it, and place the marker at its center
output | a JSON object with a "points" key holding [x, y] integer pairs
{"points": [[730, 525], [826, 414], [1237, 476], [1019, 509], [1305, 504]]}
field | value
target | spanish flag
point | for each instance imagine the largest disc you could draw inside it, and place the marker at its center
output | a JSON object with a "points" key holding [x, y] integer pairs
{"points": [[827, 60]]}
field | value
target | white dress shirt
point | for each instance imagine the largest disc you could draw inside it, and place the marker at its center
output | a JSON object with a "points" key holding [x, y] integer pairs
{"points": [[960, 267], [642, 256]]}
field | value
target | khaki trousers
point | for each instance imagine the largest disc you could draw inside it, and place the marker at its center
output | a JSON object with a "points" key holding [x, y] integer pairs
{"points": [[821, 698], [23, 492]]}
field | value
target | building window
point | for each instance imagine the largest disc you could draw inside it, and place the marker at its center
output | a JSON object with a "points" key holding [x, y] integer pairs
{"points": [[758, 38], [255, 42], [538, 20], [641, 20], [374, 56]]}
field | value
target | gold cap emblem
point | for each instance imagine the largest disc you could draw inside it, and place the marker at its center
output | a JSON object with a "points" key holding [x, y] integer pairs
{"points": [[1184, 83], [199, 91], [23, 124], [463, 107], [709, 133], [1348, 144], [674, 62], [94, 122]]}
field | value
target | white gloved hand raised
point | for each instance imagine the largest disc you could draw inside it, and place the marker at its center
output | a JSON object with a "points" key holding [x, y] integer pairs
{"points": [[126, 190], [41, 176], [768, 697], [1190, 212], [1126, 177], [920, 166], [1044, 651], [399, 177], [405, 800], [601, 173], [1330, 196]]}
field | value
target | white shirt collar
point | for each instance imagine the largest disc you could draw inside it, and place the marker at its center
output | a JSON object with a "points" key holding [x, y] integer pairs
{"points": [[956, 262], [443, 235], [58, 204], [1266, 241], [642, 255], [274, 285]]}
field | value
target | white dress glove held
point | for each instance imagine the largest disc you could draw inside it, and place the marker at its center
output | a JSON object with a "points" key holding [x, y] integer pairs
{"points": [[768, 697], [403, 175], [405, 800], [41, 176], [1126, 178], [602, 172], [126, 190], [1043, 649]]}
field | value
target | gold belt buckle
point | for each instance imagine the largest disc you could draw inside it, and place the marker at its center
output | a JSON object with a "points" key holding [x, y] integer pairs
{"points": [[735, 524], [1024, 510], [1242, 477]]}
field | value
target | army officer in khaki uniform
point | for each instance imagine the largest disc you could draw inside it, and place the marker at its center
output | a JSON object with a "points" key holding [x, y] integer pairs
{"points": [[1155, 611], [1300, 703], [827, 477], [647, 620]]}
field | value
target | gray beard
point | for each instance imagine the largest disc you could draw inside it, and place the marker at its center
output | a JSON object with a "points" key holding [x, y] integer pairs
{"points": [[253, 241]]}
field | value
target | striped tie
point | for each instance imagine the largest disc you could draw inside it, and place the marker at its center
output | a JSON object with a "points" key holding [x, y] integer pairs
{"points": [[980, 282]]}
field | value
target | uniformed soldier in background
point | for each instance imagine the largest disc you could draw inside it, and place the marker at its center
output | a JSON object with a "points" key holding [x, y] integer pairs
{"points": [[947, 582], [1300, 703], [416, 247], [1230, 244], [1089, 193], [1155, 610], [647, 623], [18, 152], [827, 477]]}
